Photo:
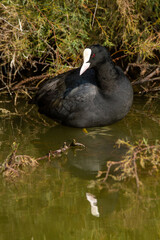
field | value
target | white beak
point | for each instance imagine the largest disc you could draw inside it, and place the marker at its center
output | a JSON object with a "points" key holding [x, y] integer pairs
{"points": [[86, 57], [84, 67]]}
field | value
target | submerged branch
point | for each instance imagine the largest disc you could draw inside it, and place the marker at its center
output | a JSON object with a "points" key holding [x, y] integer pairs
{"points": [[139, 156], [15, 164]]}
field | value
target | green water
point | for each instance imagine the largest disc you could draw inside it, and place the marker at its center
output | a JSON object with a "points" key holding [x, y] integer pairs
{"points": [[50, 201]]}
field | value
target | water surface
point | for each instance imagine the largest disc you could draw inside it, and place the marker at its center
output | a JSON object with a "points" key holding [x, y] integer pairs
{"points": [[59, 199]]}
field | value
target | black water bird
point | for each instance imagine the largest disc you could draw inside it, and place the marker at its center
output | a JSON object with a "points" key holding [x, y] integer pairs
{"points": [[97, 94]]}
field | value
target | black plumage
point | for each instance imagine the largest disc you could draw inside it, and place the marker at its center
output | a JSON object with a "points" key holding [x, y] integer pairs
{"points": [[100, 96]]}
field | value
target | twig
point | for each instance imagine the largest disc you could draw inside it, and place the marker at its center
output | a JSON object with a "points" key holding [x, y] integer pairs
{"points": [[135, 168], [148, 77], [94, 15], [108, 170], [61, 150], [156, 89], [16, 86], [141, 66], [109, 165], [134, 154], [6, 86], [10, 24], [14, 163], [85, 6]]}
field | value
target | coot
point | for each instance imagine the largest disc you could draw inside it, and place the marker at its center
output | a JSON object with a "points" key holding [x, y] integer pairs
{"points": [[97, 94]]}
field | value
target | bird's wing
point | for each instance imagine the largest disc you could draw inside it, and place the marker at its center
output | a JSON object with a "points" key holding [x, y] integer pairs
{"points": [[51, 94]]}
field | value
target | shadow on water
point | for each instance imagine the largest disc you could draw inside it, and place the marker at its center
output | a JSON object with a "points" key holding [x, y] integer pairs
{"points": [[99, 142]]}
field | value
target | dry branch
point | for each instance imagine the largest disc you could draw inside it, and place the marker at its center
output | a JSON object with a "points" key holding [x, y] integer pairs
{"points": [[31, 79], [148, 78], [15, 164], [140, 155]]}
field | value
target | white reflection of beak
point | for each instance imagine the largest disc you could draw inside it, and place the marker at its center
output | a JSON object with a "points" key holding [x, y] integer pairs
{"points": [[93, 202], [86, 57]]}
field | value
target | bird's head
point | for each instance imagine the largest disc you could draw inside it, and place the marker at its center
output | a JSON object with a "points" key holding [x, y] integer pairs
{"points": [[92, 56]]}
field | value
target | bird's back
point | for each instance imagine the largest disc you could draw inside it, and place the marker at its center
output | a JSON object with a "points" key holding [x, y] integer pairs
{"points": [[69, 92]]}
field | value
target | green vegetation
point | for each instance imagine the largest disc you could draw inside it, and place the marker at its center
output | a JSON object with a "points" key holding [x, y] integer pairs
{"points": [[44, 38]]}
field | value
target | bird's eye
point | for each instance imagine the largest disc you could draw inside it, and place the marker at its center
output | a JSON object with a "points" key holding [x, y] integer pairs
{"points": [[93, 55]]}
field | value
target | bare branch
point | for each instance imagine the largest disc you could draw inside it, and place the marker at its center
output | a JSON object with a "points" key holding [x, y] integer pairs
{"points": [[94, 15]]}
